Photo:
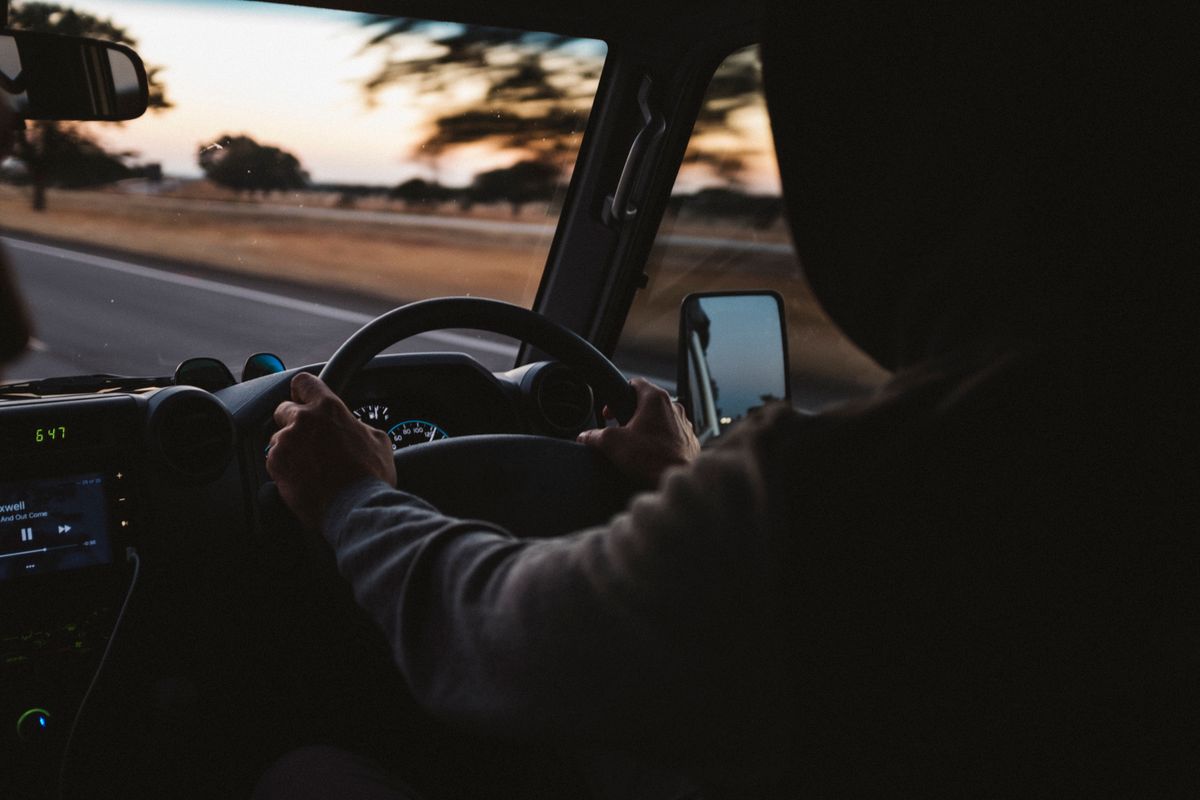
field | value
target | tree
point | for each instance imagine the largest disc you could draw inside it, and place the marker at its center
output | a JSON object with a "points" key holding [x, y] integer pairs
{"points": [[75, 161], [535, 90], [416, 192], [734, 86], [244, 165], [523, 182], [757, 210], [67, 154]]}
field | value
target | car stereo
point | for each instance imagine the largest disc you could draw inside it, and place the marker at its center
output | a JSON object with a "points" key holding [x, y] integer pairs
{"points": [[55, 524], [66, 498]]}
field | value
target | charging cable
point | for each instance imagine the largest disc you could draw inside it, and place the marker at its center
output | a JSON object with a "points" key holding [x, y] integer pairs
{"points": [[131, 555]]}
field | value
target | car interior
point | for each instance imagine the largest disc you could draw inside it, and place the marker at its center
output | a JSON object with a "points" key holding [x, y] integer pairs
{"points": [[166, 629], [207, 634]]}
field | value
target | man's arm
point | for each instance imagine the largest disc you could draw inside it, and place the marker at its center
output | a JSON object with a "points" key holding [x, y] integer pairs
{"points": [[639, 627], [643, 629]]}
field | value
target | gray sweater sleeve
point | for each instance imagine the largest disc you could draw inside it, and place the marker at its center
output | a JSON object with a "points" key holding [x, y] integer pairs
{"points": [[637, 629]]}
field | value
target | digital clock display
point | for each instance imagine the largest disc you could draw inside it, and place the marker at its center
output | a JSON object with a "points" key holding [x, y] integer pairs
{"points": [[50, 434]]}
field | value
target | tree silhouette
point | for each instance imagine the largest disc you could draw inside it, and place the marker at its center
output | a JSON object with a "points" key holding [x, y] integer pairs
{"points": [[758, 211], [63, 153], [523, 182], [536, 90], [416, 192], [532, 91], [734, 86], [242, 164], [73, 160]]}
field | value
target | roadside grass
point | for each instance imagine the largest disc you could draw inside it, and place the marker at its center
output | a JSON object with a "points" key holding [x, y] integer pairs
{"points": [[395, 263]]}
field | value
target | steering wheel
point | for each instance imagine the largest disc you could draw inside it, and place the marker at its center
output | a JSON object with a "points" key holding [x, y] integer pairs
{"points": [[562, 486]]}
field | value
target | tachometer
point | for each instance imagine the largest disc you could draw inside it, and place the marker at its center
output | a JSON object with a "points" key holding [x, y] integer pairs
{"points": [[414, 431], [374, 414]]}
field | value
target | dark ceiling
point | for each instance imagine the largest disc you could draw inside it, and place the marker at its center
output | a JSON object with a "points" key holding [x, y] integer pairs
{"points": [[679, 20]]}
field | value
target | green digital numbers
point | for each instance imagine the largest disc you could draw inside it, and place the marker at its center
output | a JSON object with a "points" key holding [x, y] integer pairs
{"points": [[56, 433]]}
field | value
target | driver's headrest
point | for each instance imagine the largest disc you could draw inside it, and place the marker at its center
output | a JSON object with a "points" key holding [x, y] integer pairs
{"points": [[956, 170]]}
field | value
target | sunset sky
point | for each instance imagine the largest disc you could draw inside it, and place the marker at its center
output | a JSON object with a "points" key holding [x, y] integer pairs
{"points": [[292, 77], [285, 75]]}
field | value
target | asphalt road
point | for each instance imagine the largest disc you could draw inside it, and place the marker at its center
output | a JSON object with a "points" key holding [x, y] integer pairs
{"points": [[97, 313]]}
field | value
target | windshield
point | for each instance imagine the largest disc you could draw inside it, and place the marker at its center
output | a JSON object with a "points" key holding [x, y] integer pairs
{"points": [[299, 172]]}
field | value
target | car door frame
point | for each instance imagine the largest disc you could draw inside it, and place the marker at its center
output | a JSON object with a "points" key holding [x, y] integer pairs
{"points": [[595, 267]]}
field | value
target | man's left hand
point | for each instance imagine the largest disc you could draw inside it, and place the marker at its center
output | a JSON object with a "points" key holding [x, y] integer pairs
{"points": [[320, 449]]}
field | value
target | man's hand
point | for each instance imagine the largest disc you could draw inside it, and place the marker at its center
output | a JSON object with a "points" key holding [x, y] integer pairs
{"points": [[657, 437], [320, 449]]}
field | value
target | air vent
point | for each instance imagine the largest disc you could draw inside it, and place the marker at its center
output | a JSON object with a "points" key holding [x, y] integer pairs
{"points": [[191, 432], [564, 400]]}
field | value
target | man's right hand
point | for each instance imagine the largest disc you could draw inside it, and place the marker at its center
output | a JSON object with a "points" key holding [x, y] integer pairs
{"points": [[320, 449], [657, 437]]}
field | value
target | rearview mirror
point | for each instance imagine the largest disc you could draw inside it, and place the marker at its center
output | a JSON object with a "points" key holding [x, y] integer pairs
{"points": [[732, 357], [44, 76]]}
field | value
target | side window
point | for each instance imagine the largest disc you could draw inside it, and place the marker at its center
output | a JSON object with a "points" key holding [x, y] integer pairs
{"points": [[725, 230]]}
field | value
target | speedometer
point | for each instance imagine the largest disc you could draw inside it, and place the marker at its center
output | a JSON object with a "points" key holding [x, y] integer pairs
{"points": [[414, 431]]}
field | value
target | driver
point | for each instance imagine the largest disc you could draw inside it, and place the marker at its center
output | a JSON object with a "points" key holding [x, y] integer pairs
{"points": [[972, 583]]}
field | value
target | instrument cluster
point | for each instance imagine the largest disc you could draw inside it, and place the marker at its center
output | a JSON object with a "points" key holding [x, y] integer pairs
{"points": [[401, 429]]}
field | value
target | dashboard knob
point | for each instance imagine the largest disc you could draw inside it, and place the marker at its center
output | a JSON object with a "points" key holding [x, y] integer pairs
{"points": [[34, 725]]}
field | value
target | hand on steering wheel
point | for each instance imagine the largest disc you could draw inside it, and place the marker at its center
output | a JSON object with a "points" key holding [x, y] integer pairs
{"points": [[532, 485], [657, 438], [320, 449]]}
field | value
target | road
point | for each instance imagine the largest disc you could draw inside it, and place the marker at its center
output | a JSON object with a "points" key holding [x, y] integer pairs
{"points": [[122, 315]]}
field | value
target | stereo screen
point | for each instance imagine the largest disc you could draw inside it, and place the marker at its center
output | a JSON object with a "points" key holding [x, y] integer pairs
{"points": [[54, 525]]}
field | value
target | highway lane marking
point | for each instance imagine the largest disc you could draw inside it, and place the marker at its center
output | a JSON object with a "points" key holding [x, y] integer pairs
{"points": [[243, 293]]}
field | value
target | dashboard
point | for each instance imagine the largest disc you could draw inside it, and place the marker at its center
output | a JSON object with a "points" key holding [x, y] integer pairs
{"points": [[176, 473], [71, 489]]}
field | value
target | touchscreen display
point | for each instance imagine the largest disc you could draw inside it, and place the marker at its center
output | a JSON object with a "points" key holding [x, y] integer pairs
{"points": [[54, 524]]}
